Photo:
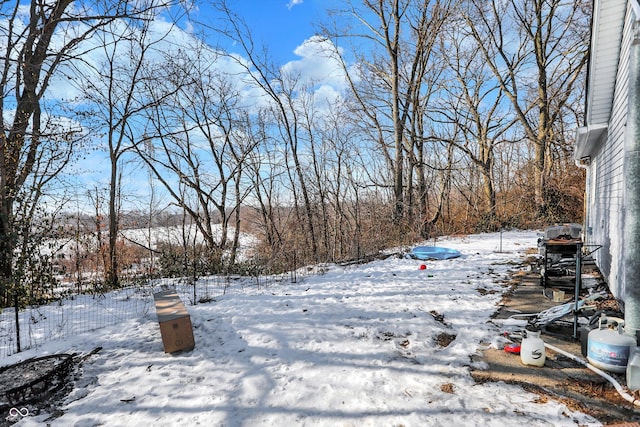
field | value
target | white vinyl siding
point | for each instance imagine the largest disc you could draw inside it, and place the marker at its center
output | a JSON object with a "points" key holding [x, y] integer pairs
{"points": [[606, 210]]}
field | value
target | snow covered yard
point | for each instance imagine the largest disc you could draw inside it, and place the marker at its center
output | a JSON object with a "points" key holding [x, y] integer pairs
{"points": [[355, 346]]}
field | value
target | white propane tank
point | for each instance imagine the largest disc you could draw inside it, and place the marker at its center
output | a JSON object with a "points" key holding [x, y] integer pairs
{"points": [[633, 369], [608, 348], [532, 349]]}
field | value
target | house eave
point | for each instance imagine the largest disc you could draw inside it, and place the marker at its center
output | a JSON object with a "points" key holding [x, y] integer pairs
{"points": [[589, 139]]}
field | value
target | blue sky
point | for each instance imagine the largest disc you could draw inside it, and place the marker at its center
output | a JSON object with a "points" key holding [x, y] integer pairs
{"points": [[281, 25], [285, 27]]}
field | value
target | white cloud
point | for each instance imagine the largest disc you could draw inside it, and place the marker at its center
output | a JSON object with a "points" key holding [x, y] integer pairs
{"points": [[294, 3], [318, 64], [326, 95]]}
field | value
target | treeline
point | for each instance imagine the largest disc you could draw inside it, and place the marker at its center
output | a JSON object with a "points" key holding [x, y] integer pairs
{"points": [[403, 120]]}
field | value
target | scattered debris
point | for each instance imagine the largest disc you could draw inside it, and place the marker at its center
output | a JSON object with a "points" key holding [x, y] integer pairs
{"points": [[444, 339], [448, 388], [483, 291], [439, 317]]}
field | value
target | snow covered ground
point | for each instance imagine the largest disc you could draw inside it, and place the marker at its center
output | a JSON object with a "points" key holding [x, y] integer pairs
{"points": [[355, 346]]}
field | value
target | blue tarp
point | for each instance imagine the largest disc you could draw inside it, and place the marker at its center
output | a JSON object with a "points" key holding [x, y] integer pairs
{"points": [[434, 252]]}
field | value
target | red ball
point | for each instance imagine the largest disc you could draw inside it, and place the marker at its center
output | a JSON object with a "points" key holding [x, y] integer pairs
{"points": [[423, 267]]}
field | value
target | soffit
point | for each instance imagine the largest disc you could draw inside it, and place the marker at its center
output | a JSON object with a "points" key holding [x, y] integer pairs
{"points": [[606, 39]]}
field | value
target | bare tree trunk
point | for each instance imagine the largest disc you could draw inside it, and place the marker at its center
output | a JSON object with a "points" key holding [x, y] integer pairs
{"points": [[392, 40], [19, 147], [112, 274], [551, 48]]}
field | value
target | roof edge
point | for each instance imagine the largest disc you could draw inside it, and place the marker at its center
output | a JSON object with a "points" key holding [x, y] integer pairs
{"points": [[588, 140]]}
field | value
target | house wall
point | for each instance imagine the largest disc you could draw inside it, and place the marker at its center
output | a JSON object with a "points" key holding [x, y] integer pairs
{"points": [[605, 177]]}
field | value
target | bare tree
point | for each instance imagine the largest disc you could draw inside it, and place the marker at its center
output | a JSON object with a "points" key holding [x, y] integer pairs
{"points": [[116, 92], [475, 104], [279, 88], [392, 88], [537, 52], [101, 258], [264, 169], [31, 60], [197, 138]]}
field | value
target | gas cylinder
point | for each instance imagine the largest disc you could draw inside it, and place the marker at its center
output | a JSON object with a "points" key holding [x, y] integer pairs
{"points": [[532, 349], [633, 369], [608, 347]]}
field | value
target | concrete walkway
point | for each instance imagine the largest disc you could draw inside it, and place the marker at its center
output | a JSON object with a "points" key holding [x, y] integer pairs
{"points": [[560, 378]]}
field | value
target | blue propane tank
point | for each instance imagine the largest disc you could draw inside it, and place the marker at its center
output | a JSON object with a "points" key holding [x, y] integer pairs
{"points": [[608, 347]]}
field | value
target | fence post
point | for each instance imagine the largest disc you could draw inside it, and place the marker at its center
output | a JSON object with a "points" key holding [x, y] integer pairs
{"points": [[17, 308]]}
